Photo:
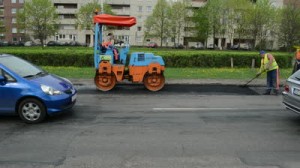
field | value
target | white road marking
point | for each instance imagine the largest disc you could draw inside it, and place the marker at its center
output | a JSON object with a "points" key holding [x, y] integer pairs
{"points": [[212, 109]]}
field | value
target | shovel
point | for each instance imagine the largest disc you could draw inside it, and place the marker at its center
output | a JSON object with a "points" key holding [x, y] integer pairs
{"points": [[256, 76]]}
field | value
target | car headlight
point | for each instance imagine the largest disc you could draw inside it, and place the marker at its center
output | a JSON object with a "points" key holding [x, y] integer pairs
{"points": [[49, 90]]}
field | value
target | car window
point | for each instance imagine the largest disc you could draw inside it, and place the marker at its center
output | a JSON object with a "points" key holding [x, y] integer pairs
{"points": [[296, 75], [21, 67], [8, 77]]}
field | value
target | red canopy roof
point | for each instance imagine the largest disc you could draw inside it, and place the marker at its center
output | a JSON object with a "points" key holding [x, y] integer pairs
{"points": [[115, 20]]}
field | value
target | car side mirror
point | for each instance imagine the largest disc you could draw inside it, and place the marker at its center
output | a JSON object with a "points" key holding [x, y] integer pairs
{"points": [[3, 80]]}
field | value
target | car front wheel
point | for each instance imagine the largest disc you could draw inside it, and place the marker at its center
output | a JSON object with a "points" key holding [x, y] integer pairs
{"points": [[32, 111]]}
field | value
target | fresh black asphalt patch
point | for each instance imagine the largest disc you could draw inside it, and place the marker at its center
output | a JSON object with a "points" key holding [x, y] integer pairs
{"points": [[193, 89]]}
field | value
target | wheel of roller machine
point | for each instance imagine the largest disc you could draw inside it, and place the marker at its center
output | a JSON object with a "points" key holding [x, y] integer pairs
{"points": [[154, 82], [105, 82]]}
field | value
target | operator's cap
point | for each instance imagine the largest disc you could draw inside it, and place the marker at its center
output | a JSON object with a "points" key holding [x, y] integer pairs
{"points": [[262, 52]]}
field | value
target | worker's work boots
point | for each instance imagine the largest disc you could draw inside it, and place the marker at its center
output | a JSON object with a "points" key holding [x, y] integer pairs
{"points": [[275, 92], [268, 92]]}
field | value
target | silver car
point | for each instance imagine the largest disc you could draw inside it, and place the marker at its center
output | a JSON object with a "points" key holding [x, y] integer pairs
{"points": [[291, 93]]}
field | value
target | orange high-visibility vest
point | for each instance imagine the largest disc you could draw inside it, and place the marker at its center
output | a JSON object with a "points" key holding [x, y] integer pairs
{"points": [[298, 54], [106, 44]]}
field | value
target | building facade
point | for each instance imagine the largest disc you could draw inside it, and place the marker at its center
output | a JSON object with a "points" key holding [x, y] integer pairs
{"points": [[8, 11], [67, 10]]}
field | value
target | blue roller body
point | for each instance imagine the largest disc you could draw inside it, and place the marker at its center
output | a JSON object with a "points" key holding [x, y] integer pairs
{"points": [[144, 59]]}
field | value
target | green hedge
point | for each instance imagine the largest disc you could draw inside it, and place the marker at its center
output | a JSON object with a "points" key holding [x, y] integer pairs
{"points": [[83, 57], [222, 59]]}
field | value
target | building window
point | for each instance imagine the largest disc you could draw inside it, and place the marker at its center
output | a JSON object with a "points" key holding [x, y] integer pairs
{"points": [[140, 18], [139, 28], [62, 36], [149, 8], [14, 30], [13, 20], [13, 10], [140, 9], [139, 39], [21, 1], [13, 1]]}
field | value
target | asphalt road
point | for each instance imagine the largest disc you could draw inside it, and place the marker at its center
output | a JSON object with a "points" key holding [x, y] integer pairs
{"points": [[182, 126]]}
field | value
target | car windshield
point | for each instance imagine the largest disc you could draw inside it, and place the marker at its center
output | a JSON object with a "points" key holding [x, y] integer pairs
{"points": [[21, 67]]}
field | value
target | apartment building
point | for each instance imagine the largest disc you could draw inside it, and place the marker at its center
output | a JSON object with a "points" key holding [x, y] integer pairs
{"points": [[8, 10], [67, 10], [134, 35], [140, 9], [67, 30], [227, 42]]}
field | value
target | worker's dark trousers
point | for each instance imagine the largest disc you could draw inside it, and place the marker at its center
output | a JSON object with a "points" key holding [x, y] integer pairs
{"points": [[271, 80], [296, 66]]}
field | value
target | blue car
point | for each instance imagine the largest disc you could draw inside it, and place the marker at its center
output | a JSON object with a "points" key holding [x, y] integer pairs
{"points": [[30, 92]]}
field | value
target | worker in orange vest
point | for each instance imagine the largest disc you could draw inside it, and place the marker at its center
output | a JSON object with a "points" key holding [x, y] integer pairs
{"points": [[297, 61], [109, 44]]}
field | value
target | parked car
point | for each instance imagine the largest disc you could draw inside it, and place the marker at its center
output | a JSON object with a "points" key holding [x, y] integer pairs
{"points": [[53, 43], [241, 46], [245, 46], [178, 46], [17, 43], [4, 43], [198, 46], [30, 43], [152, 45], [30, 92], [212, 47], [235, 47], [76, 43], [291, 93]]}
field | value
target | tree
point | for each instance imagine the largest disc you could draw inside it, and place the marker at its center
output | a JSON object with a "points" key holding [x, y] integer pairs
{"points": [[157, 24], [236, 18], [208, 20], [262, 22], [38, 17], [202, 28], [290, 23], [214, 12], [178, 14], [84, 17]]}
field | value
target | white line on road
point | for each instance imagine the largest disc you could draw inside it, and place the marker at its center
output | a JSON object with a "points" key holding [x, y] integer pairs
{"points": [[213, 109]]}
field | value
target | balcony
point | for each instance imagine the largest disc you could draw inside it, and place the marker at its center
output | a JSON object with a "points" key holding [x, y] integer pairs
{"points": [[66, 11], [118, 2], [68, 21], [198, 4], [122, 12]]}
